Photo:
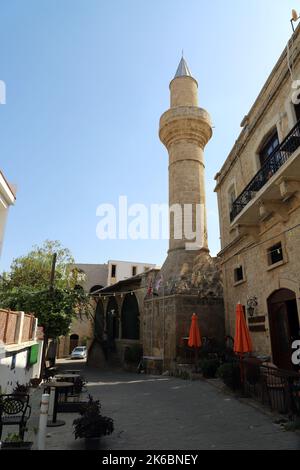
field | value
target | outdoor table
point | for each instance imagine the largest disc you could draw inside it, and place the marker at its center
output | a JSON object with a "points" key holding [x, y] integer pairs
{"points": [[57, 386]]}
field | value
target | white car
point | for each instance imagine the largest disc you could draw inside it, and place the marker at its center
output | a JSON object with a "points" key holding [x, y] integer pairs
{"points": [[80, 352]]}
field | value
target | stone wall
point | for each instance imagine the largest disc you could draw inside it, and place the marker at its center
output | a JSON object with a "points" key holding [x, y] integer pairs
{"points": [[167, 321], [247, 245]]}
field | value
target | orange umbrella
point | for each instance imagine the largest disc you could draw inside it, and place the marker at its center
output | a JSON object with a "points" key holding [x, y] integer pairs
{"points": [[242, 339], [194, 336]]}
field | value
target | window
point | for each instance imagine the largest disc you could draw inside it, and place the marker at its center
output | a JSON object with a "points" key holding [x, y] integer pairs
{"points": [[113, 270], [231, 197], [275, 254], [238, 274], [96, 289], [269, 147], [297, 111], [134, 270]]}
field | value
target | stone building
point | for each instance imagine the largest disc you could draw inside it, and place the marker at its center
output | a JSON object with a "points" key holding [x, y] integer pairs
{"points": [[93, 278], [7, 199], [258, 192], [189, 281], [120, 270], [120, 314], [154, 309]]}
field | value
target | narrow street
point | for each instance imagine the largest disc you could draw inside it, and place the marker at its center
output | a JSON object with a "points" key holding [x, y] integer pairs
{"points": [[163, 413]]}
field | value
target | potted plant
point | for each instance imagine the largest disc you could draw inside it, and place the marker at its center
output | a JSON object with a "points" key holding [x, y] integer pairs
{"points": [[34, 383], [79, 384], [230, 373], [21, 390], [209, 368], [91, 425], [14, 442]]}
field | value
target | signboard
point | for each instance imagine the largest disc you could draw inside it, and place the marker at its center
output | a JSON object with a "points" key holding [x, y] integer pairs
{"points": [[33, 355]]}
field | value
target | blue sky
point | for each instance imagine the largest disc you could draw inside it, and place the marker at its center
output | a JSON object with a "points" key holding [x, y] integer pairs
{"points": [[87, 81]]}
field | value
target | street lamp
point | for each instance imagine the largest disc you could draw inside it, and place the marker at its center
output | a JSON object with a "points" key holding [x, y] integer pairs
{"points": [[252, 304]]}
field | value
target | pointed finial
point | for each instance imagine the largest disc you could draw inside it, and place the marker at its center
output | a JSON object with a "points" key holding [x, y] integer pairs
{"points": [[183, 69]]}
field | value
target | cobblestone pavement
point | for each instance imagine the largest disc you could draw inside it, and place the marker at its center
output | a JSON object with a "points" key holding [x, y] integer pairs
{"points": [[163, 413]]}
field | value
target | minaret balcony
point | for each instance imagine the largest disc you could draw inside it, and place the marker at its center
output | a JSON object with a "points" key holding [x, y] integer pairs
{"points": [[272, 186], [185, 122]]}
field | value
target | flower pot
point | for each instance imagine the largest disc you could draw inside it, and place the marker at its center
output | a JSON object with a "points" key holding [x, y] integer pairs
{"points": [[92, 443]]}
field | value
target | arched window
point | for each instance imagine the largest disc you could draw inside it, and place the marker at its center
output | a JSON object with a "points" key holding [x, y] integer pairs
{"points": [[99, 321], [231, 197], [79, 288], [95, 289], [130, 318], [269, 145]]}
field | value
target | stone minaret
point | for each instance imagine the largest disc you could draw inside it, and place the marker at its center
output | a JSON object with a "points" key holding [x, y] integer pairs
{"points": [[185, 129]]}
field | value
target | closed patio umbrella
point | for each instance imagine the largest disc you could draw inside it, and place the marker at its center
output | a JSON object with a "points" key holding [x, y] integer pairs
{"points": [[242, 339], [195, 336]]}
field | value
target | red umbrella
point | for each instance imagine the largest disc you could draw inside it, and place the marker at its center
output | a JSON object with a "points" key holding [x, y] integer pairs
{"points": [[195, 336], [242, 339]]}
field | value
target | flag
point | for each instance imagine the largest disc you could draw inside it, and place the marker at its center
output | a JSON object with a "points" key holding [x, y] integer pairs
{"points": [[150, 288], [158, 283]]}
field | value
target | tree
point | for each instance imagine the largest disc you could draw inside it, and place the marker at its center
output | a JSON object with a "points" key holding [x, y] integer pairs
{"points": [[34, 269], [27, 288]]}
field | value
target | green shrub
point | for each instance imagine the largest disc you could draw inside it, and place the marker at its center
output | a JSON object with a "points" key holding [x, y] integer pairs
{"points": [[133, 354], [293, 425], [209, 368], [231, 375]]}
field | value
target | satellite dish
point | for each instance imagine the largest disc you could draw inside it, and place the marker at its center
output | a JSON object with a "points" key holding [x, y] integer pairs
{"points": [[295, 15]]}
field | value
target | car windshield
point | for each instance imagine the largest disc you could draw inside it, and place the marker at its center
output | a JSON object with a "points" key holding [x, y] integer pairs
{"points": [[79, 349]]}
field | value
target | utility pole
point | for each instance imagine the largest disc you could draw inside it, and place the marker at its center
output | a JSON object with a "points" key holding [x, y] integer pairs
{"points": [[52, 276], [51, 290]]}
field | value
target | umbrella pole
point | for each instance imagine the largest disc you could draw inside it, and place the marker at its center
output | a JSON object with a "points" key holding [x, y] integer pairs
{"points": [[242, 372], [196, 358]]}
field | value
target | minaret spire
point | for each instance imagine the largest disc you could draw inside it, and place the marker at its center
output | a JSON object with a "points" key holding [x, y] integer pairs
{"points": [[183, 69], [185, 129]]}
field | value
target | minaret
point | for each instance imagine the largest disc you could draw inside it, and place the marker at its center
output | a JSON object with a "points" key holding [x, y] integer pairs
{"points": [[185, 129]]}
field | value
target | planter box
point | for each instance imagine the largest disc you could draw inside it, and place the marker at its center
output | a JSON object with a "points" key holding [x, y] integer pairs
{"points": [[16, 445], [92, 443]]}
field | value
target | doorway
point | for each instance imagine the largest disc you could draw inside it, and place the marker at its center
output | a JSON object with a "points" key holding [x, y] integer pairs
{"points": [[284, 326], [74, 340], [112, 323]]}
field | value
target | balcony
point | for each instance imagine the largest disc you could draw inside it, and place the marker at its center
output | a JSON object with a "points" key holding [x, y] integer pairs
{"points": [[274, 182]]}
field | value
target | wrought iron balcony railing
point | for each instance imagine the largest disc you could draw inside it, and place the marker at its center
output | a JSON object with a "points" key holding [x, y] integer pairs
{"points": [[275, 161]]}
